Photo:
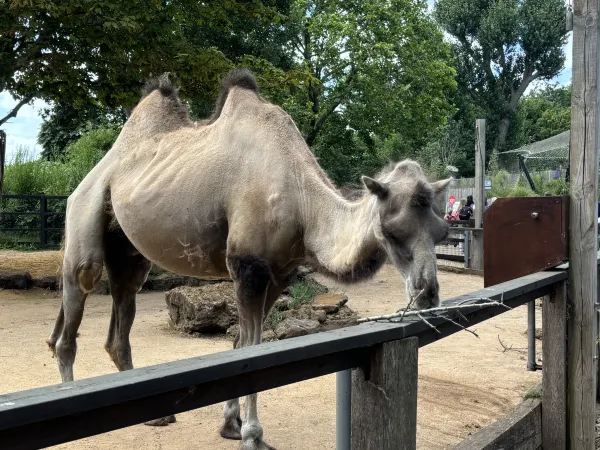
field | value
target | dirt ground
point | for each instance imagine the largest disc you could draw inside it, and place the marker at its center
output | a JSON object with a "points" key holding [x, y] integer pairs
{"points": [[464, 382]]}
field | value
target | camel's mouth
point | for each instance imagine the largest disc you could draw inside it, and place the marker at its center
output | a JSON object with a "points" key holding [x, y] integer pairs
{"points": [[421, 298]]}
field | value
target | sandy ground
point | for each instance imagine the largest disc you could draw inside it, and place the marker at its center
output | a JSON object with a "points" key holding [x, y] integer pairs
{"points": [[464, 382]]}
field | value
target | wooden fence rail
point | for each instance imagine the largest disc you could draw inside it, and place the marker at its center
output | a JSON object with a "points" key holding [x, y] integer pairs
{"points": [[65, 412]]}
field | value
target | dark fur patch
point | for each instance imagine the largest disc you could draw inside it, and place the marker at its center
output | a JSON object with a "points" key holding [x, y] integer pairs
{"points": [[252, 273], [238, 77], [362, 271], [164, 83], [422, 195]]}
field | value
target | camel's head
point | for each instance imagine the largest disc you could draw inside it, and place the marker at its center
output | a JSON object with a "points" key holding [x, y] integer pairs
{"points": [[409, 226]]}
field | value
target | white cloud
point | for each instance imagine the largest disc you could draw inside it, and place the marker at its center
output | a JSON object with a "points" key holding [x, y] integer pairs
{"points": [[23, 129]]}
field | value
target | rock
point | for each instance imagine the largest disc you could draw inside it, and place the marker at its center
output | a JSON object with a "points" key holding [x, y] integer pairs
{"points": [[211, 308], [319, 315], [293, 327], [330, 302], [345, 317], [15, 280], [282, 303]]}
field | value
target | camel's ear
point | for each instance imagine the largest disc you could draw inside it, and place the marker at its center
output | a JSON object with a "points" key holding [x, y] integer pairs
{"points": [[439, 192], [376, 187]]}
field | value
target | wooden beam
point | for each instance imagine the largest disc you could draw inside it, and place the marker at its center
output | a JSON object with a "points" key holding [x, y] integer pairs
{"points": [[479, 191], [583, 168], [521, 429], [554, 369], [476, 246], [54, 414], [384, 398]]}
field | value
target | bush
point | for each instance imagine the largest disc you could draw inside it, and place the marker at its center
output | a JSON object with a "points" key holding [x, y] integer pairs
{"points": [[87, 151], [27, 175]]}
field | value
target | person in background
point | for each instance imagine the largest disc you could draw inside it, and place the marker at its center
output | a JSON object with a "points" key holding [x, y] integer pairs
{"points": [[466, 210], [449, 207], [470, 202]]}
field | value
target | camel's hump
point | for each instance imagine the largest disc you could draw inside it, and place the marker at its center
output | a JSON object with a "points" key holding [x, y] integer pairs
{"points": [[241, 78], [164, 83]]}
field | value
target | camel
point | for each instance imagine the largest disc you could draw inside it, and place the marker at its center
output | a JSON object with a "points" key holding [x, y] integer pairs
{"points": [[239, 195]]}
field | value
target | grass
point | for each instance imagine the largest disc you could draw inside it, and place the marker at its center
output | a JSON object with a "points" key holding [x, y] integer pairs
{"points": [[534, 392], [303, 291]]}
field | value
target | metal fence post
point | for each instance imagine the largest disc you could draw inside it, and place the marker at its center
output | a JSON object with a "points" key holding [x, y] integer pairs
{"points": [[467, 248], [343, 392], [531, 364]]}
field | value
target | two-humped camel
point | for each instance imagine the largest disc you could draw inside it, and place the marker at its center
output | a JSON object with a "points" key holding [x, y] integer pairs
{"points": [[239, 195]]}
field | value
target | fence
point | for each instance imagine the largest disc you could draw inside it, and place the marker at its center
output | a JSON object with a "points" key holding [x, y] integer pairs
{"points": [[383, 411], [2, 156], [457, 246], [33, 220]]}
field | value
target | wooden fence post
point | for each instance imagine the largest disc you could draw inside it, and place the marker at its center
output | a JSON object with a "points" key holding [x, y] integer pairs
{"points": [[384, 398], [583, 166], [554, 369], [479, 195]]}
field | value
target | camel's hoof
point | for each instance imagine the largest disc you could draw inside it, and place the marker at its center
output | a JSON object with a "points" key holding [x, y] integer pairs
{"points": [[162, 422], [232, 429], [256, 444]]}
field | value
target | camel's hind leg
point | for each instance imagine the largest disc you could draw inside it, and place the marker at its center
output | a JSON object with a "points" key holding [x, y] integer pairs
{"points": [[127, 271], [82, 267], [78, 282]]}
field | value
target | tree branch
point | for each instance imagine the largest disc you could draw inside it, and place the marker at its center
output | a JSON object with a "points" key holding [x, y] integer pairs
{"points": [[15, 110], [318, 124]]}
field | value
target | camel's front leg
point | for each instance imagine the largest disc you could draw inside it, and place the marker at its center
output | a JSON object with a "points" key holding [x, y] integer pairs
{"points": [[251, 277]]}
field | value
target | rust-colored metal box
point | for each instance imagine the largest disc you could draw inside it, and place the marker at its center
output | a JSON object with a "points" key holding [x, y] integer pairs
{"points": [[523, 235]]}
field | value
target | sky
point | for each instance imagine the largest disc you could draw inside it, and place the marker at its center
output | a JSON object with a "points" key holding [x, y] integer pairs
{"points": [[23, 130]]}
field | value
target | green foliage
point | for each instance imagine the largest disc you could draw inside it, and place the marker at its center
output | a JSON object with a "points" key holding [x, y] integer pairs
{"points": [[380, 73], [541, 115], [503, 185], [501, 47], [303, 291], [27, 175], [274, 318], [64, 124], [85, 153]]}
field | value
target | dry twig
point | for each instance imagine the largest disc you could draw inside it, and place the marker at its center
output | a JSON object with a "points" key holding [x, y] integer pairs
{"points": [[506, 348], [483, 302]]}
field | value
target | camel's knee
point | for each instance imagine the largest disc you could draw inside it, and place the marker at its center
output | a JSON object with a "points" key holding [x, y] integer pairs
{"points": [[84, 276], [88, 274]]}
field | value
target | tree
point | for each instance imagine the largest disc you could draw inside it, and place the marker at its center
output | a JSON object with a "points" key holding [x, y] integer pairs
{"points": [[501, 47], [63, 124], [376, 68], [71, 51], [84, 58], [541, 115]]}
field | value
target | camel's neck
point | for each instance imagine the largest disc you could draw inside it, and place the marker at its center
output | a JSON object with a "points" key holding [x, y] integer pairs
{"points": [[339, 235]]}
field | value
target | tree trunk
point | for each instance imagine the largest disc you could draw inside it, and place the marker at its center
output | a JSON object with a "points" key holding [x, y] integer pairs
{"points": [[503, 127]]}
